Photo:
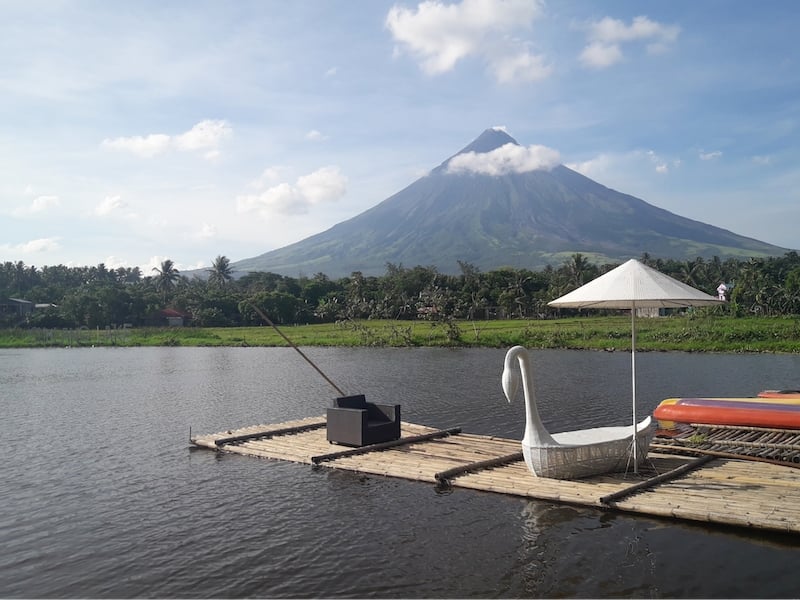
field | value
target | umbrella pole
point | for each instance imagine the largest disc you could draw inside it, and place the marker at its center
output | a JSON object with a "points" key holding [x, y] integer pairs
{"points": [[633, 382]]}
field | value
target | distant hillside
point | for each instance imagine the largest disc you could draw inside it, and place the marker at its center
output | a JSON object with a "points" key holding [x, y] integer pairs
{"points": [[528, 219]]}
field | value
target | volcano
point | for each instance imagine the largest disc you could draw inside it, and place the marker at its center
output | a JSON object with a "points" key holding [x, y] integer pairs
{"points": [[498, 204]]}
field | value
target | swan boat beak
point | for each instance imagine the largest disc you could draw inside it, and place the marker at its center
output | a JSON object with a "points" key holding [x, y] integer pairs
{"points": [[511, 383]]}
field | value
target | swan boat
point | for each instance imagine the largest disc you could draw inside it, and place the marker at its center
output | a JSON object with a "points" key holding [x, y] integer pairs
{"points": [[779, 412], [571, 454]]}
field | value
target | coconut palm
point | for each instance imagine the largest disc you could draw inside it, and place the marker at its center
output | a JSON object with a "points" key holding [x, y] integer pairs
{"points": [[167, 278], [692, 272], [220, 272], [580, 270]]}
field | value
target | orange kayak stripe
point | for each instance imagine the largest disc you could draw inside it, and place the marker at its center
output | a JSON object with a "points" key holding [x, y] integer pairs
{"points": [[714, 415]]}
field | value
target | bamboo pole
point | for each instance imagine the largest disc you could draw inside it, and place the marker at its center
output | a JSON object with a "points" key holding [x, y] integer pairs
{"points": [[268, 434], [699, 462], [300, 352], [444, 477]]}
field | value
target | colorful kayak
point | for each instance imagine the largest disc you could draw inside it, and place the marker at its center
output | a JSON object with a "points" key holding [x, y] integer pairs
{"points": [[779, 394], [753, 412], [785, 399]]}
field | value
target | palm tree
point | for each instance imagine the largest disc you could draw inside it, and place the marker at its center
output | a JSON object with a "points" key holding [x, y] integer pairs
{"points": [[220, 272], [168, 277], [579, 269], [692, 271]]}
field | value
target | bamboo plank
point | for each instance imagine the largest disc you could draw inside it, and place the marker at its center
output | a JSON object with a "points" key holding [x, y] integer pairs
{"points": [[385, 445]]}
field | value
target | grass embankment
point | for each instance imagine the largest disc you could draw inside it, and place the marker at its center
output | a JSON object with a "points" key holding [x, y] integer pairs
{"points": [[695, 333]]}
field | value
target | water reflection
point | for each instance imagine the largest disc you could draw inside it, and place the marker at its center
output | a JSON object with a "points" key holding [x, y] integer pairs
{"points": [[577, 553]]}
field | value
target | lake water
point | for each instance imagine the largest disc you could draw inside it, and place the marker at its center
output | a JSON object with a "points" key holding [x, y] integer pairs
{"points": [[102, 496]]}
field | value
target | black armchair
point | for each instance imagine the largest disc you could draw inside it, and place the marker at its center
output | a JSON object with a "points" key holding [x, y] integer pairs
{"points": [[352, 421]]}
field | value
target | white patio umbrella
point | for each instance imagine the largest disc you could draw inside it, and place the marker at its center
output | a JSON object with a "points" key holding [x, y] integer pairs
{"points": [[631, 286]]}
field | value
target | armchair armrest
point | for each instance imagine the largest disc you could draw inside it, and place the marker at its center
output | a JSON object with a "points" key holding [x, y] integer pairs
{"points": [[390, 412]]}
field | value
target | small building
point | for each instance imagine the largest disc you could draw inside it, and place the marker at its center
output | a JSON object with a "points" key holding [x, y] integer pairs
{"points": [[174, 318]]}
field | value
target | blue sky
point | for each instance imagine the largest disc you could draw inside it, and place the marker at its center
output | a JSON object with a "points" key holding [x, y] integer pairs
{"points": [[133, 132]]}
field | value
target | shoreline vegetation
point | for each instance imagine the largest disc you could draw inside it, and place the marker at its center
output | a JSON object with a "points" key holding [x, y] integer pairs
{"points": [[693, 332]]}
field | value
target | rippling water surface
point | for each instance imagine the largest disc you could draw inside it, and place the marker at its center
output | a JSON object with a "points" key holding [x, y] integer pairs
{"points": [[101, 495]]}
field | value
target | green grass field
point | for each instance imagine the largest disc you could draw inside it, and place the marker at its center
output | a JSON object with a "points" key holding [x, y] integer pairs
{"points": [[693, 333]]}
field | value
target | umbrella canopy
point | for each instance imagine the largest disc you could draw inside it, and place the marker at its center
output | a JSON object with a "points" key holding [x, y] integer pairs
{"points": [[630, 286], [634, 285]]}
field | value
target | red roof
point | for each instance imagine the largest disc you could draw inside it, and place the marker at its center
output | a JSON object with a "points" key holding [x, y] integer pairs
{"points": [[171, 312]]}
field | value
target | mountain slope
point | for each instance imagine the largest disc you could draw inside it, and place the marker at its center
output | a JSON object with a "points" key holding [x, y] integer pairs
{"points": [[528, 219]]}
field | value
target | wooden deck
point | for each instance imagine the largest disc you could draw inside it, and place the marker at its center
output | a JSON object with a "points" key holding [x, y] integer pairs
{"points": [[722, 490]]}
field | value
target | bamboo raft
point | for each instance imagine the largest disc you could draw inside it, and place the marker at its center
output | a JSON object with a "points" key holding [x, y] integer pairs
{"points": [[711, 489], [758, 443]]}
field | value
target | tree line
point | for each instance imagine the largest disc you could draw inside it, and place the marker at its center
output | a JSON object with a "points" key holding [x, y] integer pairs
{"points": [[100, 297]]}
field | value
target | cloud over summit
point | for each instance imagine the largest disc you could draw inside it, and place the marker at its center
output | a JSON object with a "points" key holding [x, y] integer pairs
{"points": [[510, 158]]}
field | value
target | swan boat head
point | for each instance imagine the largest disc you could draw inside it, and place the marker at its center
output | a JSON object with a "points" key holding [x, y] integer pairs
{"points": [[518, 371]]}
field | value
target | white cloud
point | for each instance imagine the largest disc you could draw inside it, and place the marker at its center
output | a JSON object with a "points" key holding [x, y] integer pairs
{"points": [[661, 165], [144, 146], [315, 136], [509, 158], [520, 67], [439, 35], [606, 35], [761, 160], [206, 232], [610, 30], [39, 205], [269, 176], [331, 72], [43, 203], [593, 168], [322, 185], [600, 56], [326, 184], [710, 155], [204, 136], [623, 166], [282, 198], [33, 246], [109, 205], [112, 262]]}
